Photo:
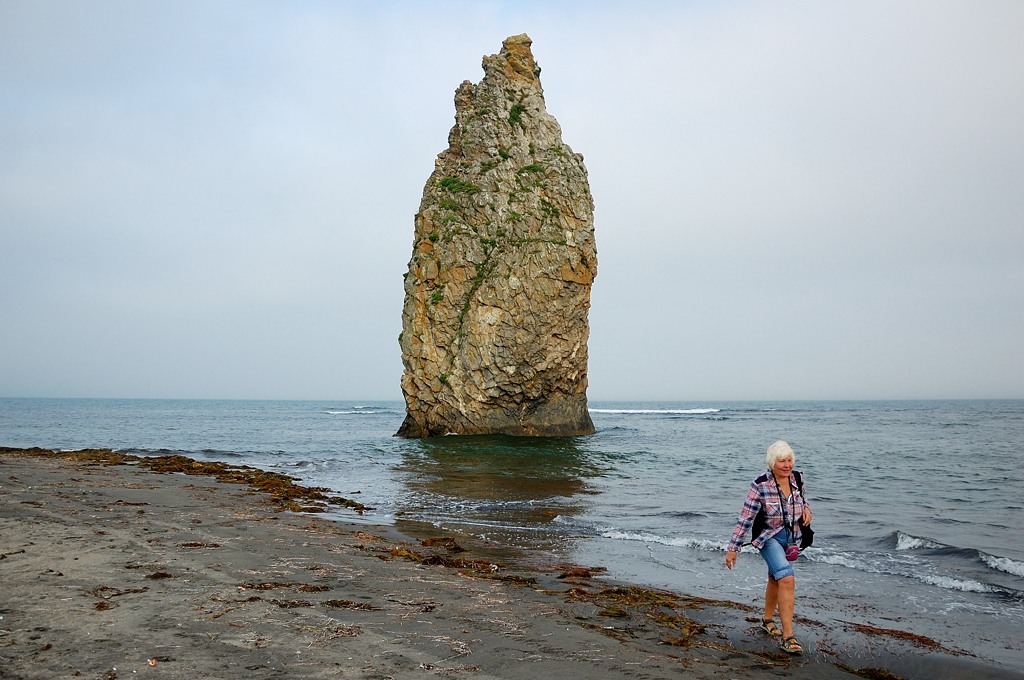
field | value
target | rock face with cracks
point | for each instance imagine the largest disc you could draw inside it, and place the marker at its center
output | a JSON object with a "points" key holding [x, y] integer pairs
{"points": [[494, 328]]}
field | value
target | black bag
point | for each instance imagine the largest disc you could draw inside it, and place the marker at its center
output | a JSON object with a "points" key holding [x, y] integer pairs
{"points": [[806, 535]]}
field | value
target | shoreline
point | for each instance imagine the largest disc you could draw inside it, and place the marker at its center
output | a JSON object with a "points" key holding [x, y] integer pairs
{"points": [[113, 566]]}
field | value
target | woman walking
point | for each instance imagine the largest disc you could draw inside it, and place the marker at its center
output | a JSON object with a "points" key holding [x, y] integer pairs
{"points": [[779, 493]]}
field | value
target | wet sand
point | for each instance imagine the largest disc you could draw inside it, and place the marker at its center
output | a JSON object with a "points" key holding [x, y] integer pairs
{"points": [[117, 571]]}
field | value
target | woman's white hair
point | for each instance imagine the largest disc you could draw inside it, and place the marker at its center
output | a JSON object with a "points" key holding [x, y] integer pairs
{"points": [[779, 449]]}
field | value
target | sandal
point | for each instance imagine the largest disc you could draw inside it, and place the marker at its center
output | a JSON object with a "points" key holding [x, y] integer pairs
{"points": [[768, 626], [791, 646]]}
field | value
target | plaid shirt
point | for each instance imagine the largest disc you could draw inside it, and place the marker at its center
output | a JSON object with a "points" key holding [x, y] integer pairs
{"points": [[764, 492]]}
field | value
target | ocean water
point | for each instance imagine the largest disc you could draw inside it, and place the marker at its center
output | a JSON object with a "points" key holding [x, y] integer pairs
{"points": [[918, 506]]}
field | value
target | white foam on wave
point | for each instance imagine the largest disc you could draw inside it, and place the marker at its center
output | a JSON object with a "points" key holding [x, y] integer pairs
{"points": [[845, 560], [361, 412], [908, 542], [695, 543], [1004, 564], [913, 569], [658, 411], [949, 583]]}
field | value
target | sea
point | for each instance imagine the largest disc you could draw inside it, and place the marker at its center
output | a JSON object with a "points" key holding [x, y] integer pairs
{"points": [[918, 505]]}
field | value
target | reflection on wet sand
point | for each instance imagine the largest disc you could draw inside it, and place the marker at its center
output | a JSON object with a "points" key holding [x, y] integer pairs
{"points": [[514, 490]]}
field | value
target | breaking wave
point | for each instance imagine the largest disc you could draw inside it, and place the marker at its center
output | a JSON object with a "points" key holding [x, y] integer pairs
{"points": [[1004, 564], [683, 542], [908, 542]]}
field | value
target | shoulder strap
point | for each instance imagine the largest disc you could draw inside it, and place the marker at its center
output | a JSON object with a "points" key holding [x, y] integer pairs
{"points": [[799, 480]]}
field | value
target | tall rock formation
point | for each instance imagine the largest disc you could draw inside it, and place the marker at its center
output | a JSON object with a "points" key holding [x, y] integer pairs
{"points": [[494, 327]]}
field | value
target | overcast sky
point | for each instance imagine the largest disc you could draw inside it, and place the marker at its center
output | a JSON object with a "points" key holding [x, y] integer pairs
{"points": [[794, 200]]}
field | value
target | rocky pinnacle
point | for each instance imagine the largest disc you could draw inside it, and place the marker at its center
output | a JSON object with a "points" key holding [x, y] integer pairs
{"points": [[494, 326]]}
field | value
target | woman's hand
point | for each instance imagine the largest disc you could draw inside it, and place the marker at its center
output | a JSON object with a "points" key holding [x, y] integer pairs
{"points": [[807, 516], [730, 559]]}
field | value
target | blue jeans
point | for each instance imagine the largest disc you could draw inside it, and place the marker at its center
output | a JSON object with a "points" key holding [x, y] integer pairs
{"points": [[774, 554]]}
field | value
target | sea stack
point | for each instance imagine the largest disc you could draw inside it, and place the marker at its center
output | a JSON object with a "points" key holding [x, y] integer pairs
{"points": [[494, 326]]}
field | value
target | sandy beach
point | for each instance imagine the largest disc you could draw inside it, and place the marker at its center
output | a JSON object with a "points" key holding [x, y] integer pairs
{"points": [[119, 571]]}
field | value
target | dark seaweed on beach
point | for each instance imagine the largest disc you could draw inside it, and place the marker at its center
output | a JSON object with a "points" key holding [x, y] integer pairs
{"points": [[659, 607], [273, 585], [575, 572], [349, 604], [310, 588], [266, 586], [285, 494], [913, 638], [291, 604], [469, 567], [445, 542], [870, 673], [159, 575], [106, 592]]}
